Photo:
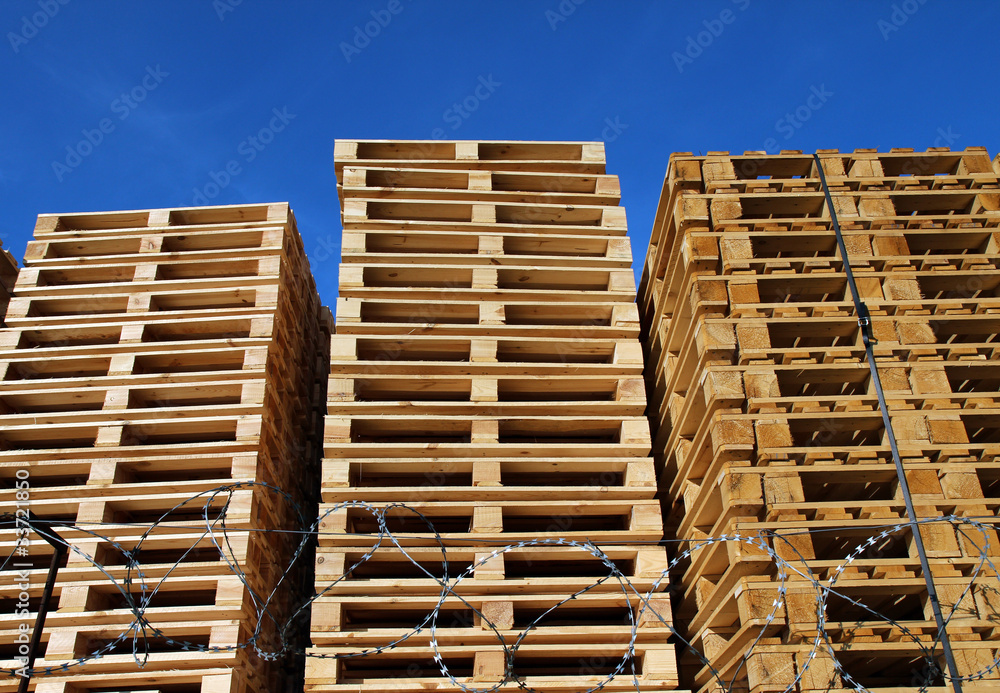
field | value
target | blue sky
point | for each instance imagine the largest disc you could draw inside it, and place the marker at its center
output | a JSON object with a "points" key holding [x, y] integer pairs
{"points": [[127, 105]]}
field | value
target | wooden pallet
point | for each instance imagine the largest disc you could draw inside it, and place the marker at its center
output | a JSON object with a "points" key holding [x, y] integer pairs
{"points": [[875, 665], [545, 667], [765, 418], [152, 357], [529, 157], [214, 675], [478, 186], [507, 247], [541, 568], [484, 374]]}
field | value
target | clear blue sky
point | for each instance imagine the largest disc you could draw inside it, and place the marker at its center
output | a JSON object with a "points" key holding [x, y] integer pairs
{"points": [[169, 92]]}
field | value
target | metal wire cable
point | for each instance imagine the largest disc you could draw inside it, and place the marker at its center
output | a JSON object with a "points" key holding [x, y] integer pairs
{"points": [[865, 322], [137, 590]]}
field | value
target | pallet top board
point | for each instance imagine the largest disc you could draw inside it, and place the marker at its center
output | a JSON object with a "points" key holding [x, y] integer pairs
{"points": [[793, 163], [576, 157], [160, 218], [485, 150]]}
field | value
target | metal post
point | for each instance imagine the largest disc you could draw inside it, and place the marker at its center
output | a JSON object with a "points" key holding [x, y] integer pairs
{"points": [[58, 551], [864, 320]]}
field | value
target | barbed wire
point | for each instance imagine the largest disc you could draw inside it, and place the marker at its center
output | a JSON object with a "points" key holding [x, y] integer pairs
{"points": [[214, 506]]}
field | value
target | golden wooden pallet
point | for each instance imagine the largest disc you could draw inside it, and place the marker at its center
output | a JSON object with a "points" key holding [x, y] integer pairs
{"points": [[547, 667], [484, 374], [508, 247], [478, 186], [154, 357], [541, 568], [766, 420], [215, 674], [532, 157]]}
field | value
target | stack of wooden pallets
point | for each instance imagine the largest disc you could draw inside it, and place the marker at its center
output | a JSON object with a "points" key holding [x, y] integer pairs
{"points": [[765, 417], [486, 372], [149, 358]]}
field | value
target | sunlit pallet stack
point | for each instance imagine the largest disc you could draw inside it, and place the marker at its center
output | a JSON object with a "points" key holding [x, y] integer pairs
{"points": [[486, 372], [149, 357], [765, 416]]}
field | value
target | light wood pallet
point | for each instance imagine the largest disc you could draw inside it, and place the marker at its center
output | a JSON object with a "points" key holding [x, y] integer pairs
{"points": [[538, 320], [153, 356], [214, 674], [511, 247], [562, 667], [776, 667], [684, 204], [478, 185], [491, 479], [510, 283], [537, 570], [529, 157], [485, 374], [490, 217], [387, 596], [765, 418], [200, 602], [177, 559]]}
